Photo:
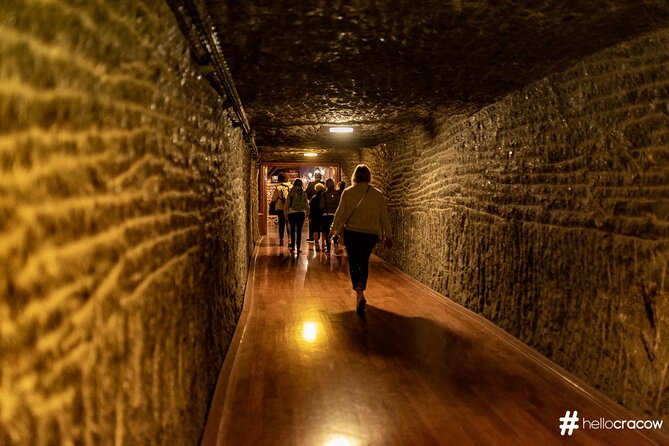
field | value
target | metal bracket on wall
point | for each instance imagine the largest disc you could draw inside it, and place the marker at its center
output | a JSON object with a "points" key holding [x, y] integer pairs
{"points": [[197, 26]]}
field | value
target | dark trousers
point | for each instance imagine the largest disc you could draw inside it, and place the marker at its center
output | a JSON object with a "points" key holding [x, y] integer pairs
{"points": [[296, 221], [312, 228], [282, 223], [326, 225], [359, 247]]}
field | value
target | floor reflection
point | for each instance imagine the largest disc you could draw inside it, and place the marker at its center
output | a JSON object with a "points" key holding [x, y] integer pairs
{"points": [[414, 370]]}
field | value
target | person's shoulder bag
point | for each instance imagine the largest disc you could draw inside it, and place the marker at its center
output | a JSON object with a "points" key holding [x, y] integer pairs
{"points": [[356, 207], [272, 208]]}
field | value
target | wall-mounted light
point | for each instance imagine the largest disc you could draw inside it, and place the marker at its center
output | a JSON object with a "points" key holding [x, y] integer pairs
{"points": [[311, 154], [341, 129]]}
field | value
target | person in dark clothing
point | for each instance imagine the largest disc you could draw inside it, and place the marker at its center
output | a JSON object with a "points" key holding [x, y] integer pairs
{"points": [[340, 190], [311, 191], [315, 213], [311, 187], [329, 203]]}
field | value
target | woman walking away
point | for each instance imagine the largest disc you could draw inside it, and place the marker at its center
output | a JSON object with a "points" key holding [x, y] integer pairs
{"points": [[329, 203], [298, 205], [315, 214], [363, 218], [280, 196]]}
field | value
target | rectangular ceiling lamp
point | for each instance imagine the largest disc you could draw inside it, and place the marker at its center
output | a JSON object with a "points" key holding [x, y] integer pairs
{"points": [[341, 129], [311, 154]]}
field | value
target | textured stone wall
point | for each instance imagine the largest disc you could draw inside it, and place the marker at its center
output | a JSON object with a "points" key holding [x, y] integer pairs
{"points": [[548, 213], [124, 208], [347, 165]]}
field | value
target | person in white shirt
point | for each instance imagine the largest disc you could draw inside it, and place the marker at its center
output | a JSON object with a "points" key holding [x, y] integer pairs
{"points": [[298, 208], [280, 195], [362, 217]]}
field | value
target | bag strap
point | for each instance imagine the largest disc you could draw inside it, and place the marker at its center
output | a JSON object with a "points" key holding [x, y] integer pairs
{"points": [[357, 205]]}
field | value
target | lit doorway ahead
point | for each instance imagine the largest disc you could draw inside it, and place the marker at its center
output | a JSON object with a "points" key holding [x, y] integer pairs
{"points": [[269, 179]]}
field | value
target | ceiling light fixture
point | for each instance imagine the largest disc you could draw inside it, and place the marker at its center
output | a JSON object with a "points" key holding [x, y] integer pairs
{"points": [[341, 129], [311, 154]]}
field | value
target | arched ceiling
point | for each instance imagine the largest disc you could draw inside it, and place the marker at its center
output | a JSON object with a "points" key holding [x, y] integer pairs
{"points": [[385, 65]]}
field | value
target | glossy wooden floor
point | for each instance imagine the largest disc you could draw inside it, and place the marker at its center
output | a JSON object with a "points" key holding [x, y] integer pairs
{"points": [[304, 369]]}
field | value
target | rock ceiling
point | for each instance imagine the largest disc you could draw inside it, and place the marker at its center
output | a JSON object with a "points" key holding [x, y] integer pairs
{"points": [[384, 66]]}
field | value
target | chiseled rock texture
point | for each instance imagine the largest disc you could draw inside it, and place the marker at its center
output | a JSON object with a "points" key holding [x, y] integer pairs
{"points": [[384, 65], [124, 208], [548, 213]]}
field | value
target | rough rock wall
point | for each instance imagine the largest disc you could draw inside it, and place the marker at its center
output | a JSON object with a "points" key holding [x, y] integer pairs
{"points": [[124, 200], [347, 165], [548, 213]]}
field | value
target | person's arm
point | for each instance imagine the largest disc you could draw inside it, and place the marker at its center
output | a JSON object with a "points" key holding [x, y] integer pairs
{"points": [[307, 204], [286, 204], [275, 194]]}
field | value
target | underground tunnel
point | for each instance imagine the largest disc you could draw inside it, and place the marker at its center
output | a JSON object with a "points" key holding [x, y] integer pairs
{"points": [[522, 149]]}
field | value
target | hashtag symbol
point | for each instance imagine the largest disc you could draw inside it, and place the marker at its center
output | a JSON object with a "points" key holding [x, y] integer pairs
{"points": [[568, 423]]}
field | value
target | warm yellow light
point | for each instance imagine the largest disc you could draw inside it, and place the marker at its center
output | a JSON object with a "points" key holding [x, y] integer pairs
{"points": [[311, 154], [339, 441], [309, 331], [341, 129]]}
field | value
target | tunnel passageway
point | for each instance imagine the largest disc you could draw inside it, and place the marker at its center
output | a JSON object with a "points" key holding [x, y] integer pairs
{"points": [[305, 369], [523, 151]]}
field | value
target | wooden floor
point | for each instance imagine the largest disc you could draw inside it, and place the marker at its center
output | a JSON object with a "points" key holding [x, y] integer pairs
{"points": [[305, 369]]}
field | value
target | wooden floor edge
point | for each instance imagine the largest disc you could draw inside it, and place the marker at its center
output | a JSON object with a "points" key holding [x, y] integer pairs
{"points": [[212, 427], [602, 400]]}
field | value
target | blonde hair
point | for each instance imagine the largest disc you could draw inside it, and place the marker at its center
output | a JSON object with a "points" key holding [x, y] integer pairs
{"points": [[319, 187]]}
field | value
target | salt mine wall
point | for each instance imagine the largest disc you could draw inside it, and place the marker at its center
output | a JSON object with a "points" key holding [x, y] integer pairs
{"points": [[347, 165], [548, 213], [124, 226]]}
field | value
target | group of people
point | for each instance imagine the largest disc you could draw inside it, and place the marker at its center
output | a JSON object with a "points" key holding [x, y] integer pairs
{"points": [[318, 203], [358, 213], [323, 203]]}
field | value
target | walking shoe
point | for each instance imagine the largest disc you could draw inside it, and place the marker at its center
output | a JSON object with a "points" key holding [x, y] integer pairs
{"points": [[360, 307]]}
